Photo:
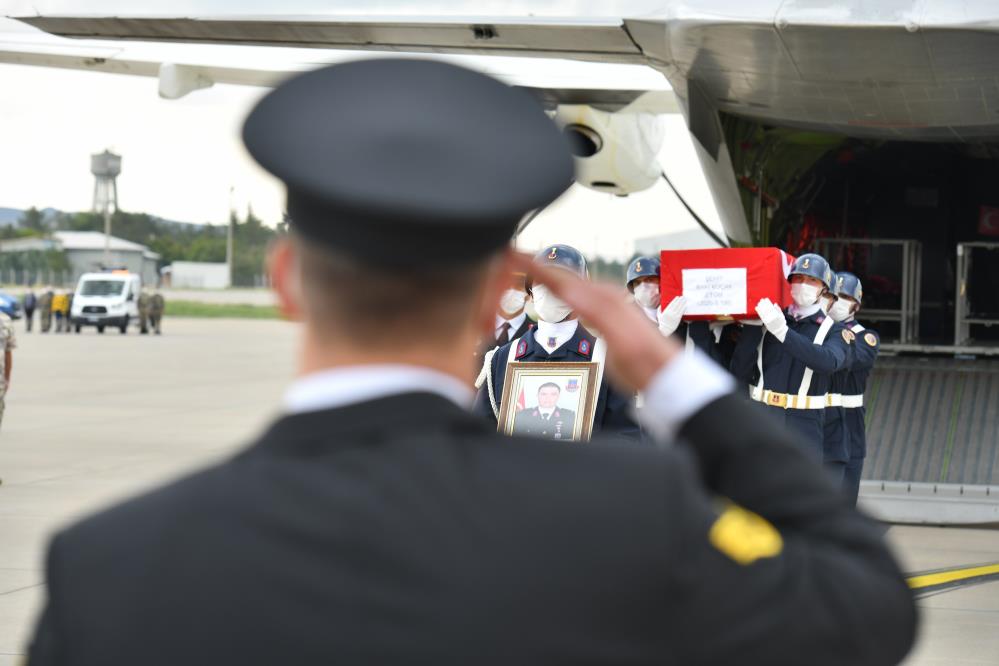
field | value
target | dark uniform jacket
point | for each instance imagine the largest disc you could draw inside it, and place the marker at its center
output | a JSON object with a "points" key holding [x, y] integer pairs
{"points": [[345, 537], [784, 367], [720, 350], [613, 410], [491, 343], [853, 381], [557, 425]]}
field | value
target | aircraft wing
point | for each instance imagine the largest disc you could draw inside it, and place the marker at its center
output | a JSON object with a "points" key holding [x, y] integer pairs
{"points": [[197, 57], [596, 40]]}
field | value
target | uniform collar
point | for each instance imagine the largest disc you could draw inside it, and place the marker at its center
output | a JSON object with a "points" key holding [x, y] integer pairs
{"points": [[799, 313], [515, 323], [562, 331], [572, 348], [339, 387]]}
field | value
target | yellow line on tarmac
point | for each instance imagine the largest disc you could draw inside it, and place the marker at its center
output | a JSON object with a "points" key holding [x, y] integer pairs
{"points": [[952, 575]]}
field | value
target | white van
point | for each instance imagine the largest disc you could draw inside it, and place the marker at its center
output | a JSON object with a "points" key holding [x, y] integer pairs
{"points": [[106, 299]]}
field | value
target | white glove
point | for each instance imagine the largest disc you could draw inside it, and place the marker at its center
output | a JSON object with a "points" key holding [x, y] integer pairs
{"points": [[669, 318], [773, 318]]}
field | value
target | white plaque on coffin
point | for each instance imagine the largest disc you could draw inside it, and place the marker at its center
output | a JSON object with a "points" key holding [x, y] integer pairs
{"points": [[715, 291]]}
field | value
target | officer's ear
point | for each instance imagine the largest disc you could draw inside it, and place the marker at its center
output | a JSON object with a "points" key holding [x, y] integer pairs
{"points": [[284, 268]]}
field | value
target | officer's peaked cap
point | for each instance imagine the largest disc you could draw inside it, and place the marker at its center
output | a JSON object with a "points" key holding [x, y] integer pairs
{"points": [[642, 267], [565, 257], [813, 265], [408, 162], [848, 284]]}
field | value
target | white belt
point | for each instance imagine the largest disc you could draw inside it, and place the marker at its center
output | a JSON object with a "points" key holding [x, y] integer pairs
{"points": [[785, 401], [848, 401]]}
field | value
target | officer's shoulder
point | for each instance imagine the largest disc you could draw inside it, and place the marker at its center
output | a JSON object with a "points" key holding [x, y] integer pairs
{"points": [[156, 519], [604, 461]]}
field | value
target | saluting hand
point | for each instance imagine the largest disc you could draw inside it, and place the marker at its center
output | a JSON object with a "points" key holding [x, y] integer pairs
{"points": [[635, 350]]}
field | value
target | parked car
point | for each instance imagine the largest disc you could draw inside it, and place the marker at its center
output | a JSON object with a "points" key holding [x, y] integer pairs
{"points": [[10, 306]]}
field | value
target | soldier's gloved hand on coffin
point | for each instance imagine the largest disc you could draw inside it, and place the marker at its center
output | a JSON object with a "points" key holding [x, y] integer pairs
{"points": [[773, 318], [670, 316], [635, 351]]}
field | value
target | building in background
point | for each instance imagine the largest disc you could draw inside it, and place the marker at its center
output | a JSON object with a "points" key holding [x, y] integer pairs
{"points": [[688, 239], [27, 260], [196, 275]]}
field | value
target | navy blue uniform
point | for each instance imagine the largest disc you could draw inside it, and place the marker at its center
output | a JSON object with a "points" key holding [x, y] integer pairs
{"points": [[854, 383], [612, 415], [784, 367], [719, 350]]}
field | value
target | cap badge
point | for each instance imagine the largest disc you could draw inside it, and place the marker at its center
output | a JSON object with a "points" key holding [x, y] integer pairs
{"points": [[553, 254], [805, 263], [638, 267], [840, 282]]}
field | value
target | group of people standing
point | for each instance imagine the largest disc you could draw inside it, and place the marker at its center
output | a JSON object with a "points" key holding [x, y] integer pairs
{"points": [[53, 306], [806, 366], [151, 308]]}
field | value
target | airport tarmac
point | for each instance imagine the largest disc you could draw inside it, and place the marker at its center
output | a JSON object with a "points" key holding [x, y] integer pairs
{"points": [[93, 418]]}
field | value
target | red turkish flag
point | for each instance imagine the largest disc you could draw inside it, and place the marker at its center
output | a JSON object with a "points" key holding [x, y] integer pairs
{"points": [[988, 221]]}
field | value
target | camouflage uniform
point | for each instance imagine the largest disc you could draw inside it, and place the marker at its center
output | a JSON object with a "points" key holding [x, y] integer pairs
{"points": [[156, 307], [143, 312], [7, 343], [45, 310]]}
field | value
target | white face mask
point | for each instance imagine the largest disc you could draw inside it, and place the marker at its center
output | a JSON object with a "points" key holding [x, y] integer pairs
{"points": [[550, 308], [804, 294], [512, 302], [647, 295], [841, 310]]}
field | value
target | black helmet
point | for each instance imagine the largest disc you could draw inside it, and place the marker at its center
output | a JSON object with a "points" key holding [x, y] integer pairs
{"points": [[813, 265], [848, 284], [642, 267], [561, 256]]}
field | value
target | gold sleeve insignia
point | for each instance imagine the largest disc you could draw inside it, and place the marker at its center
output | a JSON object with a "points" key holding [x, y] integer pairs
{"points": [[871, 339], [849, 336], [744, 536]]}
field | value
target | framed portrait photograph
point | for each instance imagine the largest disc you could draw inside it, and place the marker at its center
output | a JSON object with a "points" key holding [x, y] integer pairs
{"points": [[549, 400]]}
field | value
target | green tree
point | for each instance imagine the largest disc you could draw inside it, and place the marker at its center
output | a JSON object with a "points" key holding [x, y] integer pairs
{"points": [[32, 220]]}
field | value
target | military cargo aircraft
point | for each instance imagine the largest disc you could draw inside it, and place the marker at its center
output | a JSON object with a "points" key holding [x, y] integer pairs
{"points": [[867, 131]]}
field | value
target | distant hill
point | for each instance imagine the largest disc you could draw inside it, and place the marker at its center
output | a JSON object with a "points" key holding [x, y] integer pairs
{"points": [[10, 216]]}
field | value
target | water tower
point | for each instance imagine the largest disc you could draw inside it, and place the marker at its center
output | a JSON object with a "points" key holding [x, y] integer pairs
{"points": [[106, 168]]}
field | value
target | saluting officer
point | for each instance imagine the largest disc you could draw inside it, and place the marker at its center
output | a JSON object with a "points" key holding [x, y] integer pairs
{"points": [[849, 385], [789, 360], [558, 338], [377, 521]]}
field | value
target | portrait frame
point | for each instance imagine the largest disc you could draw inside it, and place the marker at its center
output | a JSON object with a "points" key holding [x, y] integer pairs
{"points": [[521, 377]]}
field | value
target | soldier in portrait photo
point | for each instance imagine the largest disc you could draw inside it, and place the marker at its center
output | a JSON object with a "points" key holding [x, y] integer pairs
{"points": [[547, 419]]}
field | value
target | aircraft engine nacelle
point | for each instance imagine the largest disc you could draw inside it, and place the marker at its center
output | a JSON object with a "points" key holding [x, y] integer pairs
{"points": [[615, 152]]}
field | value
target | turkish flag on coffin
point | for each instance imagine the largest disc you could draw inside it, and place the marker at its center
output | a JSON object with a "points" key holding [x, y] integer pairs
{"points": [[725, 283], [988, 221]]}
